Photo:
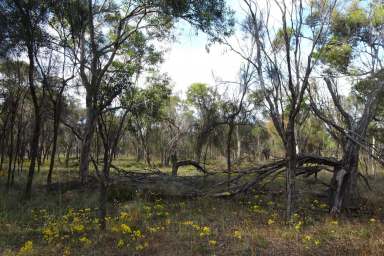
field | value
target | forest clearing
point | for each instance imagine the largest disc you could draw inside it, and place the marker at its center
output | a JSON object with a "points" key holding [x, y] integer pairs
{"points": [[157, 219], [191, 127]]}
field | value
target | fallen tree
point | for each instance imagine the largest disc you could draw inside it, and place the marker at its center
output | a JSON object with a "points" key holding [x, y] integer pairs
{"points": [[196, 164]]}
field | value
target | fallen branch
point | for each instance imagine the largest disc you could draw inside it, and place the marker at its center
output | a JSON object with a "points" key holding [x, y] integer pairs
{"points": [[197, 165]]}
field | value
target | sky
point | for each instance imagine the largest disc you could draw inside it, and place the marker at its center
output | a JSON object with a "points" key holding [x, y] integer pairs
{"points": [[187, 61]]}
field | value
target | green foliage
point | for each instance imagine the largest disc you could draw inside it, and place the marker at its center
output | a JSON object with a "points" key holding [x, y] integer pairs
{"points": [[356, 17], [336, 53], [196, 93], [22, 24], [378, 15], [280, 40], [212, 17]]}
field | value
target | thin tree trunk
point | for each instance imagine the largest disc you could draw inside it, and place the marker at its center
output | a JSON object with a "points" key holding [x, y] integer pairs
{"points": [[10, 152], [291, 169], [36, 129], [238, 155], [56, 123], [229, 147]]}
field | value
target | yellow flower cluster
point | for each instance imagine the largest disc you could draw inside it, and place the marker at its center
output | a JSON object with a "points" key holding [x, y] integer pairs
{"points": [[85, 241], [125, 229], [308, 241], [50, 232], [26, 249], [120, 243], [205, 231], [298, 225], [237, 234], [155, 229], [212, 243]]}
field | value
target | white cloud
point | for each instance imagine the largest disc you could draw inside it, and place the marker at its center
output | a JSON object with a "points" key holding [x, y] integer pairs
{"points": [[187, 65]]}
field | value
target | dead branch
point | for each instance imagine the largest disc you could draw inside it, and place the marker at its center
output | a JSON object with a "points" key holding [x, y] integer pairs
{"points": [[176, 166]]}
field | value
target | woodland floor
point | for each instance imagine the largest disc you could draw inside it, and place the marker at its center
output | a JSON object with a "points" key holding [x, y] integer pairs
{"points": [[158, 221]]}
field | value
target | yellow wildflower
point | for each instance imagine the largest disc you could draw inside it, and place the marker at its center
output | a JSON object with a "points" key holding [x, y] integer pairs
{"points": [[334, 222], [187, 222], [139, 247], [120, 243], [237, 234], [323, 206], [137, 234], [212, 243], [270, 221], [317, 242], [205, 231], [124, 216], [125, 229], [195, 226], [66, 252], [78, 228], [26, 249], [298, 225], [84, 240], [372, 220]]}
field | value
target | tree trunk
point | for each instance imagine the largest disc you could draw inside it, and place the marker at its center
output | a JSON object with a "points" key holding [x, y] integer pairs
{"points": [[10, 151], [344, 181], [291, 169], [87, 142], [229, 146], [36, 129], [238, 153], [56, 123], [67, 154]]}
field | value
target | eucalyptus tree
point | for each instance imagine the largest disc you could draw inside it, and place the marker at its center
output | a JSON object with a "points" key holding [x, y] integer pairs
{"points": [[26, 33], [103, 31], [235, 109], [354, 49], [206, 102], [14, 77], [148, 110], [283, 60]]}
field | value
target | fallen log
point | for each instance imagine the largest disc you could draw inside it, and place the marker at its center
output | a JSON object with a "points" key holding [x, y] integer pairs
{"points": [[196, 164]]}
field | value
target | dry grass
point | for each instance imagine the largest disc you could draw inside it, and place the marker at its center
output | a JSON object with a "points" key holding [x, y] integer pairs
{"points": [[162, 225]]}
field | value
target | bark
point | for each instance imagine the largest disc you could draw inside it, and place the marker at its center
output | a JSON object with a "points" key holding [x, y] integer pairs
{"points": [[56, 123], [10, 152], [344, 181], [67, 155], [196, 164], [291, 169], [87, 142], [34, 146], [238, 154], [229, 146]]}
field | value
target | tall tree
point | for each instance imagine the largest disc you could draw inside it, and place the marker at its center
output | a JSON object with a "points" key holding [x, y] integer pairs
{"points": [[25, 20], [354, 49], [283, 60], [113, 25]]}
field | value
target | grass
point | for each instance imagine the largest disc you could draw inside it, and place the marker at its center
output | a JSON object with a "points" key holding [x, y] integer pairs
{"points": [[151, 222]]}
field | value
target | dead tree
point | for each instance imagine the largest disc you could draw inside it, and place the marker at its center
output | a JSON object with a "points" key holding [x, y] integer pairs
{"points": [[352, 134], [283, 67]]}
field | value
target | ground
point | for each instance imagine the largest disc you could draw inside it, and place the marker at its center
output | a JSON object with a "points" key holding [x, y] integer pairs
{"points": [[155, 222]]}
